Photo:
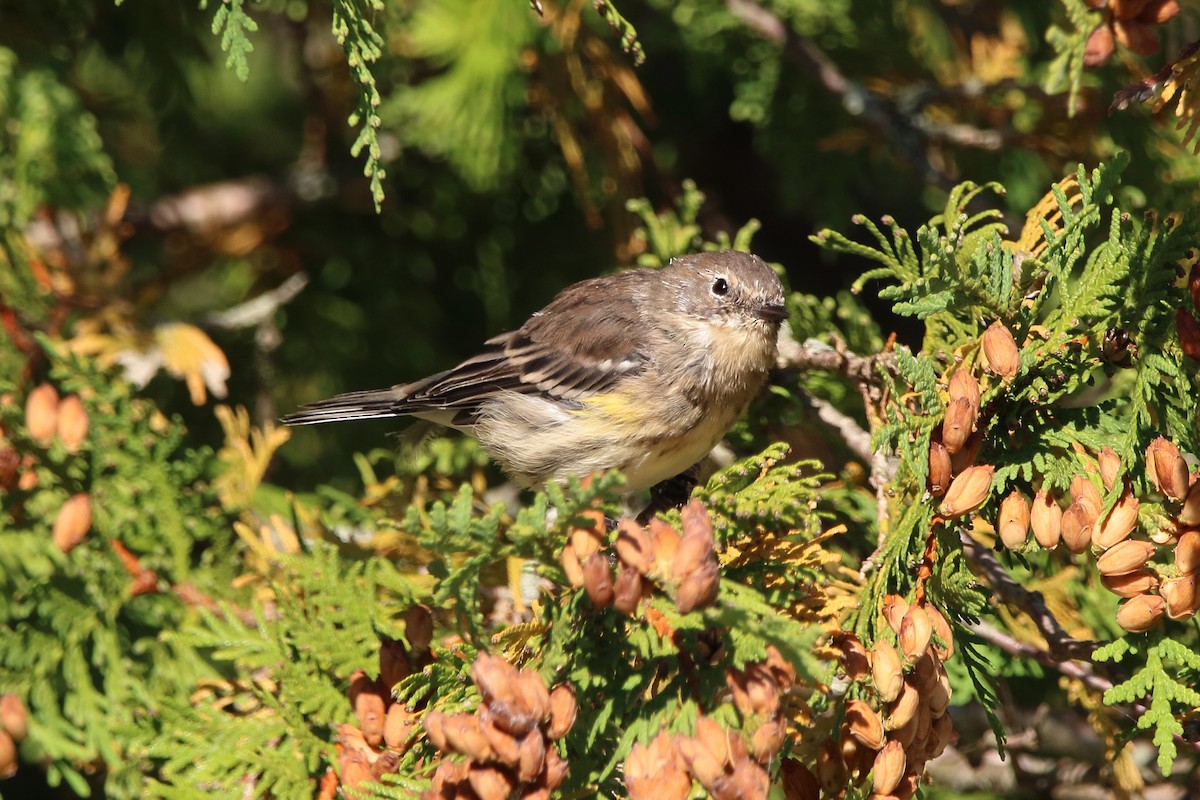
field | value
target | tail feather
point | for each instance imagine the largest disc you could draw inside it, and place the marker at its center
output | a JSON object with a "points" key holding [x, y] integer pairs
{"points": [[372, 404]]}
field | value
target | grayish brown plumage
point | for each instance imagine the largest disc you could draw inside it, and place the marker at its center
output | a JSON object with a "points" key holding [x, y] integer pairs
{"points": [[643, 371]]}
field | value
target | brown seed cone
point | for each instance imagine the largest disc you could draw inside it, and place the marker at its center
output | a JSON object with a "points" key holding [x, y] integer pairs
{"points": [[958, 424], [1100, 46], [852, 655], [967, 491], [1179, 596], [1110, 467], [767, 740], [1130, 584], [1187, 552], [41, 414], [855, 755], [447, 780], [385, 763], [563, 709], [1141, 613], [555, 770], [572, 567], [532, 756], [531, 698], [746, 781], [700, 762], [665, 542], [73, 522], [628, 589], [1013, 523], [1000, 350], [830, 769], [490, 782], [965, 458], [1121, 521], [8, 756], [1186, 324], [943, 636], [464, 735], [370, 710], [354, 768], [1077, 528], [72, 426], [940, 736], [699, 589], [418, 626], [1045, 517], [908, 786], [588, 538], [696, 544], [634, 546], [761, 690], [799, 782], [939, 696], [915, 631], [696, 522], [864, 724], [505, 747], [14, 719], [494, 677], [894, 608], [1168, 470], [905, 706], [656, 772], [888, 768], [398, 727], [963, 386], [1190, 513], [10, 463], [1084, 492], [886, 670], [939, 469], [598, 580], [393, 663], [1127, 556], [925, 672], [434, 724], [782, 670]]}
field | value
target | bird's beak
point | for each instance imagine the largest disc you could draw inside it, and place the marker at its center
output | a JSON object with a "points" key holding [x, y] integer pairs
{"points": [[771, 313]]}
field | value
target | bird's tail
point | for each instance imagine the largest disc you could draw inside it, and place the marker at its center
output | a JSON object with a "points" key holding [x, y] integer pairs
{"points": [[372, 404]]}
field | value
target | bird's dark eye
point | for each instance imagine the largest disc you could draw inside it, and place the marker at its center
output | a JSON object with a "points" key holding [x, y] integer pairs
{"points": [[720, 287]]}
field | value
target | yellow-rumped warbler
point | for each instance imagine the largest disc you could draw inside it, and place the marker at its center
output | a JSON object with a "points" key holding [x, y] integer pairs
{"points": [[643, 371]]}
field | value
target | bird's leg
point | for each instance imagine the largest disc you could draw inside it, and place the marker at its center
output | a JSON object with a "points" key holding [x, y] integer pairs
{"points": [[671, 493]]}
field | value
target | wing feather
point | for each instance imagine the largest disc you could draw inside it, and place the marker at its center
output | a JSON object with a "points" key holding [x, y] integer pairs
{"points": [[583, 342]]}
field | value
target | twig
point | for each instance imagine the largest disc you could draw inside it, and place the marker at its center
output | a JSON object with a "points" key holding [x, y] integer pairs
{"points": [[909, 134], [855, 437], [1061, 645], [820, 357], [1009, 644]]}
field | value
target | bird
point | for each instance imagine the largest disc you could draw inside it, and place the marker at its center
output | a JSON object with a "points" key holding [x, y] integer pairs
{"points": [[642, 371]]}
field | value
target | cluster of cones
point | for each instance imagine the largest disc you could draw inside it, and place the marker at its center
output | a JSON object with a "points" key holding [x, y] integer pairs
{"points": [[656, 555], [509, 740], [386, 728], [1152, 590], [892, 734], [50, 420], [729, 765], [953, 474]]}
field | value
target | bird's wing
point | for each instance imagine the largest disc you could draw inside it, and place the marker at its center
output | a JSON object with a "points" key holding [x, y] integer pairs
{"points": [[583, 342]]}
